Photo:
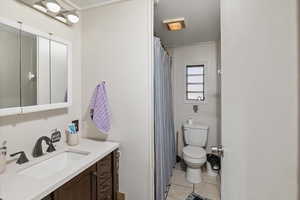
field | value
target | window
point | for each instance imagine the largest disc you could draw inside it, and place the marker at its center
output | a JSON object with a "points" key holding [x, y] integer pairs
{"points": [[195, 83]]}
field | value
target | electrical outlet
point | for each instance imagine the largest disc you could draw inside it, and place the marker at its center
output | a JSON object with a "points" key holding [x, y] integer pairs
{"points": [[195, 108]]}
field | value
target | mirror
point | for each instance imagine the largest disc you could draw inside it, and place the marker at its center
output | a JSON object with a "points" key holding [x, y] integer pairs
{"points": [[59, 72], [52, 75], [28, 69], [43, 75], [9, 67], [33, 69]]}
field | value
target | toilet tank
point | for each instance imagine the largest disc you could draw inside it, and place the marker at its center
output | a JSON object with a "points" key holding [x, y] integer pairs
{"points": [[195, 134]]}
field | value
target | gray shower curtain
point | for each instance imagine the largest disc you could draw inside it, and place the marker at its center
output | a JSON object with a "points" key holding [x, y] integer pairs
{"points": [[165, 152]]}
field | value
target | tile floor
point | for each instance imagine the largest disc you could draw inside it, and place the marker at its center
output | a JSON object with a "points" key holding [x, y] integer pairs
{"points": [[180, 188]]}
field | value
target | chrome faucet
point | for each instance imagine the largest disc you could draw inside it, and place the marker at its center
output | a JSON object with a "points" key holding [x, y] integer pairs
{"points": [[38, 149]]}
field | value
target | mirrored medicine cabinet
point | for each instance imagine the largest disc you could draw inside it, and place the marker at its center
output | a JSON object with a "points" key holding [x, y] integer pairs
{"points": [[35, 70]]}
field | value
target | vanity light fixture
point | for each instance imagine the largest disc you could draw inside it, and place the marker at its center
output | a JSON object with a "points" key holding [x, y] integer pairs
{"points": [[60, 10], [73, 18], [40, 7], [175, 24], [53, 6]]}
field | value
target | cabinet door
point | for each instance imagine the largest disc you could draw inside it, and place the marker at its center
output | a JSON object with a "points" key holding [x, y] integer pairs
{"points": [[105, 191], [104, 169], [105, 178], [108, 177], [116, 156], [82, 187], [10, 58]]}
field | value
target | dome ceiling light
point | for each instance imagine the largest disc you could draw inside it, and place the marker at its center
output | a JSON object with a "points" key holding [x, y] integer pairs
{"points": [[175, 24]]}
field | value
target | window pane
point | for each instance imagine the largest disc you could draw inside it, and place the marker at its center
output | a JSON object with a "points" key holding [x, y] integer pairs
{"points": [[195, 79], [195, 88], [195, 96], [194, 70]]}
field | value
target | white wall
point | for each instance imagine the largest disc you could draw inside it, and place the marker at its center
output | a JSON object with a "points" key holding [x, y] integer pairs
{"points": [[260, 88], [116, 49], [208, 113], [22, 131]]}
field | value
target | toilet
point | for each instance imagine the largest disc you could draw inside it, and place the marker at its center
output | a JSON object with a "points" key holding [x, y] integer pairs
{"points": [[194, 154]]}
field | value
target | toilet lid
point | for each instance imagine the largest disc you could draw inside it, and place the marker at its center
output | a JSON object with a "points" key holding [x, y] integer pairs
{"points": [[194, 152]]}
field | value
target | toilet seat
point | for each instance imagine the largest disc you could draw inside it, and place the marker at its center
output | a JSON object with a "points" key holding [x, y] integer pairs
{"points": [[194, 152]]}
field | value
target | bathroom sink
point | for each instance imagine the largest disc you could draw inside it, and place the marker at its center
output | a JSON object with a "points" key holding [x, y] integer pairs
{"points": [[54, 165]]}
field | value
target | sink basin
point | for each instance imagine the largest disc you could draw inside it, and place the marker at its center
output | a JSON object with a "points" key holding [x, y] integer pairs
{"points": [[54, 165]]}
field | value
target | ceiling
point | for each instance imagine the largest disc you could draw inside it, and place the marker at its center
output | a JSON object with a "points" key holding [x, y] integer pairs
{"points": [[202, 18], [84, 4]]}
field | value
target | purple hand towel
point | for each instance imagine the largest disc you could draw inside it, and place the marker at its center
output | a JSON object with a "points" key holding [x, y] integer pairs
{"points": [[99, 109]]}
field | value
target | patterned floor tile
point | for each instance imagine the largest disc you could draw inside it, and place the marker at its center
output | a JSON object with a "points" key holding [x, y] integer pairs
{"points": [[181, 188]]}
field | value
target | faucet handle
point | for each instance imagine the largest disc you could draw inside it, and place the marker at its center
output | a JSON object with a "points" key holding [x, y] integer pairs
{"points": [[22, 159], [50, 148]]}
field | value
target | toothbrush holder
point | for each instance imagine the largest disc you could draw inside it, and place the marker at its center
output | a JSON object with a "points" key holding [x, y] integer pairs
{"points": [[72, 138]]}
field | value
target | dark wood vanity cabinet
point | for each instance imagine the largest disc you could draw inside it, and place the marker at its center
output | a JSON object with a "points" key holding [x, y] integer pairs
{"points": [[81, 187], [99, 182], [108, 177]]}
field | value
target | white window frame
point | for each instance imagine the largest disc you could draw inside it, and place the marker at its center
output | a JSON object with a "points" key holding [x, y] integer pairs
{"points": [[205, 64]]}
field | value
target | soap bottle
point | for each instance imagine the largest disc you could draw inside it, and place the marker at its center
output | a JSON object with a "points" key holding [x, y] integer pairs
{"points": [[3, 151]]}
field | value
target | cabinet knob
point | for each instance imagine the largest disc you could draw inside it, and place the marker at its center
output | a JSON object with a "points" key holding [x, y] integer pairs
{"points": [[94, 174]]}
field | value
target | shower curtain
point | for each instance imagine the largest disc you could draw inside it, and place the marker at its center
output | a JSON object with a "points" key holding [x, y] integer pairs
{"points": [[165, 152]]}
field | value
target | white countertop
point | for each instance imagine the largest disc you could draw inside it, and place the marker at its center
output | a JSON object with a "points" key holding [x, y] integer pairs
{"points": [[14, 186]]}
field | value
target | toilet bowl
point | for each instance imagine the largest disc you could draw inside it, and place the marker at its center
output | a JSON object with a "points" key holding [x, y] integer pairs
{"points": [[194, 154], [195, 158]]}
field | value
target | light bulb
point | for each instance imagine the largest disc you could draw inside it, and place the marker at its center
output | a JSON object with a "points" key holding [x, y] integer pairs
{"points": [[61, 18], [73, 18], [40, 7], [53, 7]]}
